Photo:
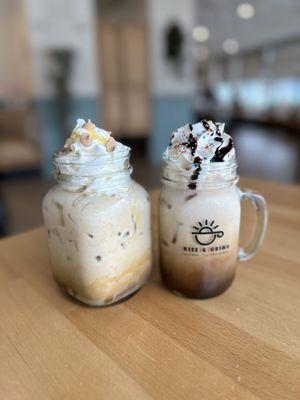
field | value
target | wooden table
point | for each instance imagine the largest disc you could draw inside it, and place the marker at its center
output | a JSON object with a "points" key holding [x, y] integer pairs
{"points": [[243, 344]]}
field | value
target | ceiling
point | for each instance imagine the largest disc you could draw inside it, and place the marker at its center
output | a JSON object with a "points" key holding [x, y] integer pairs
{"points": [[274, 21]]}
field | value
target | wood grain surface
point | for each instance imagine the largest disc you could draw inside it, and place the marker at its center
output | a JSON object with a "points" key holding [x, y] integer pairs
{"points": [[244, 344]]}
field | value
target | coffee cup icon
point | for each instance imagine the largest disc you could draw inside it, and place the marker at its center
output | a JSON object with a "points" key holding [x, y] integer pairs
{"points": [[206, 233]]}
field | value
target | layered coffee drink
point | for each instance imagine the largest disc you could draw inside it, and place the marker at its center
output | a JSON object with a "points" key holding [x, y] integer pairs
{"points": [[199, 211], [97, 219]]}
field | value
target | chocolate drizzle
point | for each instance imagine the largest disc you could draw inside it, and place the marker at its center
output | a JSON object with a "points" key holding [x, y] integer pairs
{"points": [[205, 124], [193, 183], [218, 132], [196, 173], [222, 151], [218, 139], [192, 143], [172, 137], [190, 197], [206, 140]]}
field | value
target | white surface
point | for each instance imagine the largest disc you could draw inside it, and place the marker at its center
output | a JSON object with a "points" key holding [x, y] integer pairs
{"points": [[68, 24], [160, 14]]}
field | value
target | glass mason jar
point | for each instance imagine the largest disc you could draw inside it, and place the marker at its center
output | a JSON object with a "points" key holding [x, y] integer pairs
{"points": [[98, 224], [199, 229]]}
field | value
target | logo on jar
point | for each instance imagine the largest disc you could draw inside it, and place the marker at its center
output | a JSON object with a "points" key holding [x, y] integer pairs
{"points": [[206, 232]]}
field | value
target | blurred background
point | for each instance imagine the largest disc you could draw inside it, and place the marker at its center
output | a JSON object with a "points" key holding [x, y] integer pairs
{"points": [[142, 68]]}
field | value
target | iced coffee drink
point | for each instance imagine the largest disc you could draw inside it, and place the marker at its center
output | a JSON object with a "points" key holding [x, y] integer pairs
{"points": [[97, 219], [199, 212]]}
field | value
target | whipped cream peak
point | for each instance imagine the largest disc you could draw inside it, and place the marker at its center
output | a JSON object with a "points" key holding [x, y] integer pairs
{"points": [[92, 154], [204, 142], [86, 138], [192, 147]]}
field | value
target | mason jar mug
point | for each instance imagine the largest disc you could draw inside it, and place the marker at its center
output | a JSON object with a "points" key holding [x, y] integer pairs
{"points": [[199, 229], [98, 225]]}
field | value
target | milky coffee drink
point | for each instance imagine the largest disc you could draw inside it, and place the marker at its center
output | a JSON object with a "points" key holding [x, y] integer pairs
{"points": [[97, 219], [199, 211]]}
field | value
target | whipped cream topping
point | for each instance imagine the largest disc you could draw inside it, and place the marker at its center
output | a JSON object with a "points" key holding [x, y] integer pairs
{"points": [[91, 156], [195, 147], [87, 139]]}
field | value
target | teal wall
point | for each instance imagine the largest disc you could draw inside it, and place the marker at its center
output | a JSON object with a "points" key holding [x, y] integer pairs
{"points": [[86, 108], [168, 113], [51, 131]]}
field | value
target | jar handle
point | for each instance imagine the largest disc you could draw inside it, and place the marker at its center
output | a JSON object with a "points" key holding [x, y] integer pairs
{"points": [[260, 206]]}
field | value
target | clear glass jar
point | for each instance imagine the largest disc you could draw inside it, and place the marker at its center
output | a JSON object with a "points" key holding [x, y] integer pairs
{"points": [[98, 224], [199, 229]]}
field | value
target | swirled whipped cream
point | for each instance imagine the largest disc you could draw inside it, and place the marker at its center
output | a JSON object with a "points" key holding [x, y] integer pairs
{"points": [[91, 155], [194, 147], [87, 139]]}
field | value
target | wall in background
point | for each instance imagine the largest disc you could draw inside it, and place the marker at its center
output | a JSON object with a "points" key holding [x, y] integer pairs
{"points": [[71, 25], [123, 41], [66, 25], [15, 66], [171, 89]]}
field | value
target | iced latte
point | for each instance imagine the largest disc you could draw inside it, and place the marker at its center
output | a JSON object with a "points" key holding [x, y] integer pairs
{"points": [[199, 212], [97, 219]]}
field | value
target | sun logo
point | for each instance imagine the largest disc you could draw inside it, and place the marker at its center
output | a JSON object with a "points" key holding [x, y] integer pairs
{"points": [[205, 233]]}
